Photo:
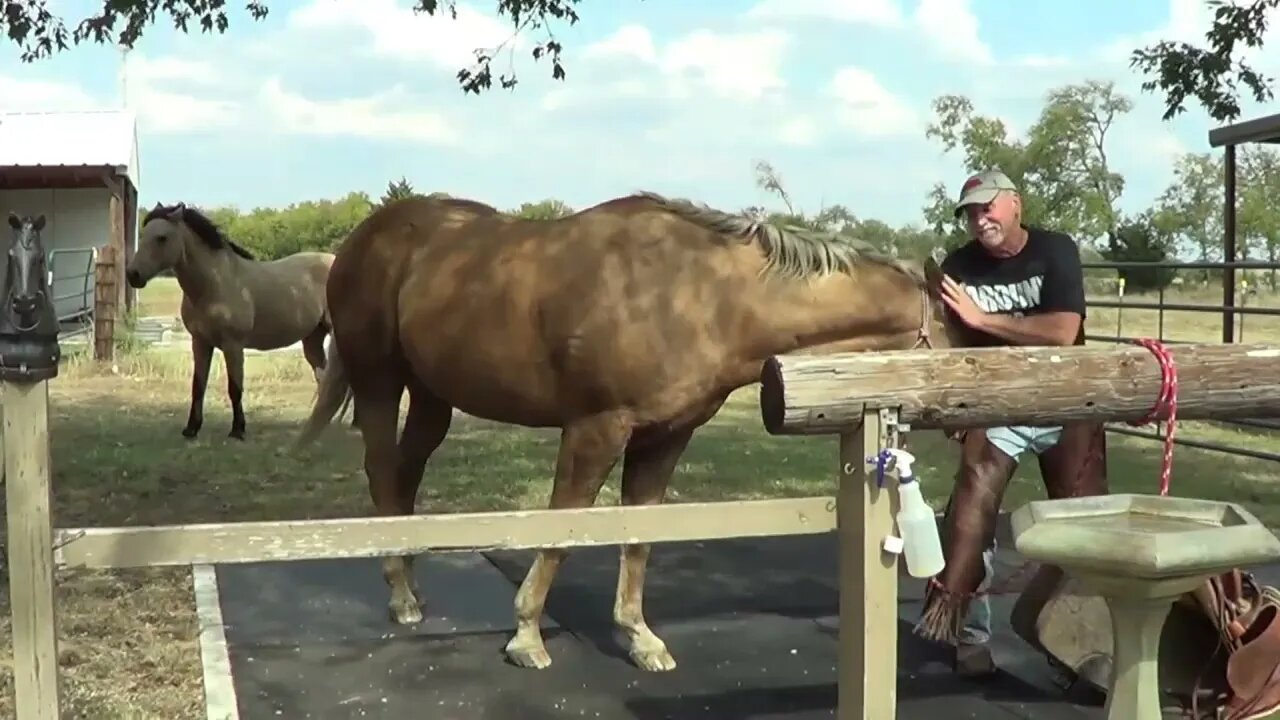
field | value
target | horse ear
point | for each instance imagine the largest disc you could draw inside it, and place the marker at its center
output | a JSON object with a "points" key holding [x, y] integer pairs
{"points": [[39, 223], [15, 222], [178, 210]]}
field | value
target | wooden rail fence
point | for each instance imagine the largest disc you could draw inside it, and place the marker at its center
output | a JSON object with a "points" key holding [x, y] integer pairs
{"points": [[865, 399]]}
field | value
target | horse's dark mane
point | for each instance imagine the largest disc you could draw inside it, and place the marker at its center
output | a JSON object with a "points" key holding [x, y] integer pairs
{"points": [[200, 224]]}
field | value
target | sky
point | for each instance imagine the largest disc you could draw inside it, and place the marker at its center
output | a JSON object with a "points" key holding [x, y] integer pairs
{"points": [[329, 96]]}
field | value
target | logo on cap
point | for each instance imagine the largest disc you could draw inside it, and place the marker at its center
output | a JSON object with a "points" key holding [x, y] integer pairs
{"points": [[971, 183]]}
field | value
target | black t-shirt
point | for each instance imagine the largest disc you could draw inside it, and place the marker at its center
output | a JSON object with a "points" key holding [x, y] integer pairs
{"points": [[1044, 277]]}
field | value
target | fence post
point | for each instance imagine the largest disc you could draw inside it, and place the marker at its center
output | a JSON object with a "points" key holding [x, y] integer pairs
{"points": [[28, 496], [29, 356], [105, 307], [868, 654]]}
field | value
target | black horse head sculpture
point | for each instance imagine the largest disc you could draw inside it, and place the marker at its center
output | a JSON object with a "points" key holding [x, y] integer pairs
{"points": [[29, 348]]}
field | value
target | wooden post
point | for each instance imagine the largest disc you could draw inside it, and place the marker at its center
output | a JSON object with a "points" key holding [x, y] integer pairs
{"points": [[116, 206], [105, 310], [27, 495], [868, 671]]}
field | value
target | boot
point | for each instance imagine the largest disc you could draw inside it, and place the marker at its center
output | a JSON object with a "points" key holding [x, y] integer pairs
{"points": [[1054, 613]]}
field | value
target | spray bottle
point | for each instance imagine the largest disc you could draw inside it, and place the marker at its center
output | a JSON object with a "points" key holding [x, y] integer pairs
{"points": [[916, 524]]}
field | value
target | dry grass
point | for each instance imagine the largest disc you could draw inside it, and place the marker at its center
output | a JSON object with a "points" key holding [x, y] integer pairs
{"points": [[130, 637]]}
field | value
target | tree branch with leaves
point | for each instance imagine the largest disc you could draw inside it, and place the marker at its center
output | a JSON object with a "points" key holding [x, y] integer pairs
{"points": [[1211, 74]]}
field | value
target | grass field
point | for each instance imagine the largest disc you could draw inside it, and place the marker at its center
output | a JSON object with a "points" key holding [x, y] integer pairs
{"points": [[129, 638]]}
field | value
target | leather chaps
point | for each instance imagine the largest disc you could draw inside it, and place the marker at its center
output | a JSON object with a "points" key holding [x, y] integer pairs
{"points": [[1220, 650]]}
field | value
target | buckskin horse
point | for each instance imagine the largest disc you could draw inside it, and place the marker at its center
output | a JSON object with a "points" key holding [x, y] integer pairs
{"points": [[626, 325], [232, 301]]}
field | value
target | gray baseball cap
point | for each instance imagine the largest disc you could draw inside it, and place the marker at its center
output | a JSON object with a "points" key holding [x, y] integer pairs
{"points": [[982, 188]]}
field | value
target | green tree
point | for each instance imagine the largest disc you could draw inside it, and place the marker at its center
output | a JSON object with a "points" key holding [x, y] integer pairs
{"points": [[39, 33], [397, 190], [1258, 211], [549, 209], [1210, 74], [1191, 207], [1140, 239], [1061, 167]]}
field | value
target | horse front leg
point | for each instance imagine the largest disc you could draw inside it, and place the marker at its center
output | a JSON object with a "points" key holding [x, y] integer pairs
{"points": [[646, 473], [589, 448], [201, 357], [233, 357]]}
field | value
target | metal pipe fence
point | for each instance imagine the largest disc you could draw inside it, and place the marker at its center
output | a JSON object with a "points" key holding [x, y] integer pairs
{"points": [[75, 305], [1232, 315]]}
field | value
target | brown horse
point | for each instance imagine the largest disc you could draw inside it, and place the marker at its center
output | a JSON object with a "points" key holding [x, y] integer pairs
{"points": [[625, 325], [230, 301]]}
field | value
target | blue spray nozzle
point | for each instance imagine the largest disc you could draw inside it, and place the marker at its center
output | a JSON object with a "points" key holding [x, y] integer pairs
{"points": [[881, 460]]}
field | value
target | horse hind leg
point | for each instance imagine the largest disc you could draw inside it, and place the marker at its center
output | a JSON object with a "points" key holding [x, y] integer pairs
{"points": [[589, 448], [313, 349], [646, 473], [425, 427], [379, 406]]}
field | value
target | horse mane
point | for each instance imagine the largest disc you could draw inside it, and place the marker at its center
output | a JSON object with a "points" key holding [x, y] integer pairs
{"points": [[463, 203], [204, 228], [789, 250]]}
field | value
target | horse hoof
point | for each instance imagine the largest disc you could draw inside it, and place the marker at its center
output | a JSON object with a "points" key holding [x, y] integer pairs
{"points": [[190, 432], [534, 658], [236, 434], [653, 660], [406, 614]]}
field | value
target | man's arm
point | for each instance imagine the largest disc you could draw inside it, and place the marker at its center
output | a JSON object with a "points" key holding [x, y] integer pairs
{"points": [[1052, 328]]}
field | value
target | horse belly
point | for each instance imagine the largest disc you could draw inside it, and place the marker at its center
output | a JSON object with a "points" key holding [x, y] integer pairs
{"points": [[485, 379]]}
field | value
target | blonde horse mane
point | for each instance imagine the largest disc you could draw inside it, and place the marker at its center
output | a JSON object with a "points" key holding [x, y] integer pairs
{"points": [[789, 250]]}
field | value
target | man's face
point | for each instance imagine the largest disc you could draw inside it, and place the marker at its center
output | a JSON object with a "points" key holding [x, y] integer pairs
{"points": [[992, 224]]}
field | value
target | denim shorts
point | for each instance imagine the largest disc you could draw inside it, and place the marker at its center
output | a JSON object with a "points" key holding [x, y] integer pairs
{"points": [[1014, 440]]}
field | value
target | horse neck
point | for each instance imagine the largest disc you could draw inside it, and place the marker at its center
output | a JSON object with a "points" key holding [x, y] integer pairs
{"points": [[872, 308], [203, 272]]}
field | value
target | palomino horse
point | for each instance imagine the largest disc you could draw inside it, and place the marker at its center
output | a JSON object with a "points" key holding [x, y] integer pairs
{"points": [[626, 325], [231, 301]]}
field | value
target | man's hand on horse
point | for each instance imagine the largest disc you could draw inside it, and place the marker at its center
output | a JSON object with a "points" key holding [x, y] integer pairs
{"points": [[961, 304]]}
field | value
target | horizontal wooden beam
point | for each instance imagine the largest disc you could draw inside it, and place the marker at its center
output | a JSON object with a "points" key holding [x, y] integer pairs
{"points": [[120, 547], [985, 387]]}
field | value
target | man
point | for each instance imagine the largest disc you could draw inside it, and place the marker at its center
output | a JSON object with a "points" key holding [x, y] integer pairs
{"points": [[1010, 285], [1015, 285]]}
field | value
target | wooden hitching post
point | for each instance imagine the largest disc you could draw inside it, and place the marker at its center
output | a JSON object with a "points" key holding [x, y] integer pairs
{"points": [[29, 356], [868, 674]]}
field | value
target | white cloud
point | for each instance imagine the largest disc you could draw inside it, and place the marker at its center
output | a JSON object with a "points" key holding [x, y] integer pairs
{"points": [[799, 131], [161, 108], [952, 28], [396, 32], [387, 115], [870, 109], [882, 13], [738, 65], [31, 95], [629, 41]]}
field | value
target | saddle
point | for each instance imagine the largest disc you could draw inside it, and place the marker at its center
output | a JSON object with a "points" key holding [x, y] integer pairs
{"points": [[1219, 652]]}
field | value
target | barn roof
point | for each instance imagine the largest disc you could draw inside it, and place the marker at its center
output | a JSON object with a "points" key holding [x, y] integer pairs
{"points": [[94, 138]]}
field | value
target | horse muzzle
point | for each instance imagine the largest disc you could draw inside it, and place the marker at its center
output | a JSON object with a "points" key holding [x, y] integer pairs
{"points": [[135, 279]]}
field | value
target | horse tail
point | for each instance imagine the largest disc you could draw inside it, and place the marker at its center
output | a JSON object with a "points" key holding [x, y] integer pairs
{"points": [[332, 397]]}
